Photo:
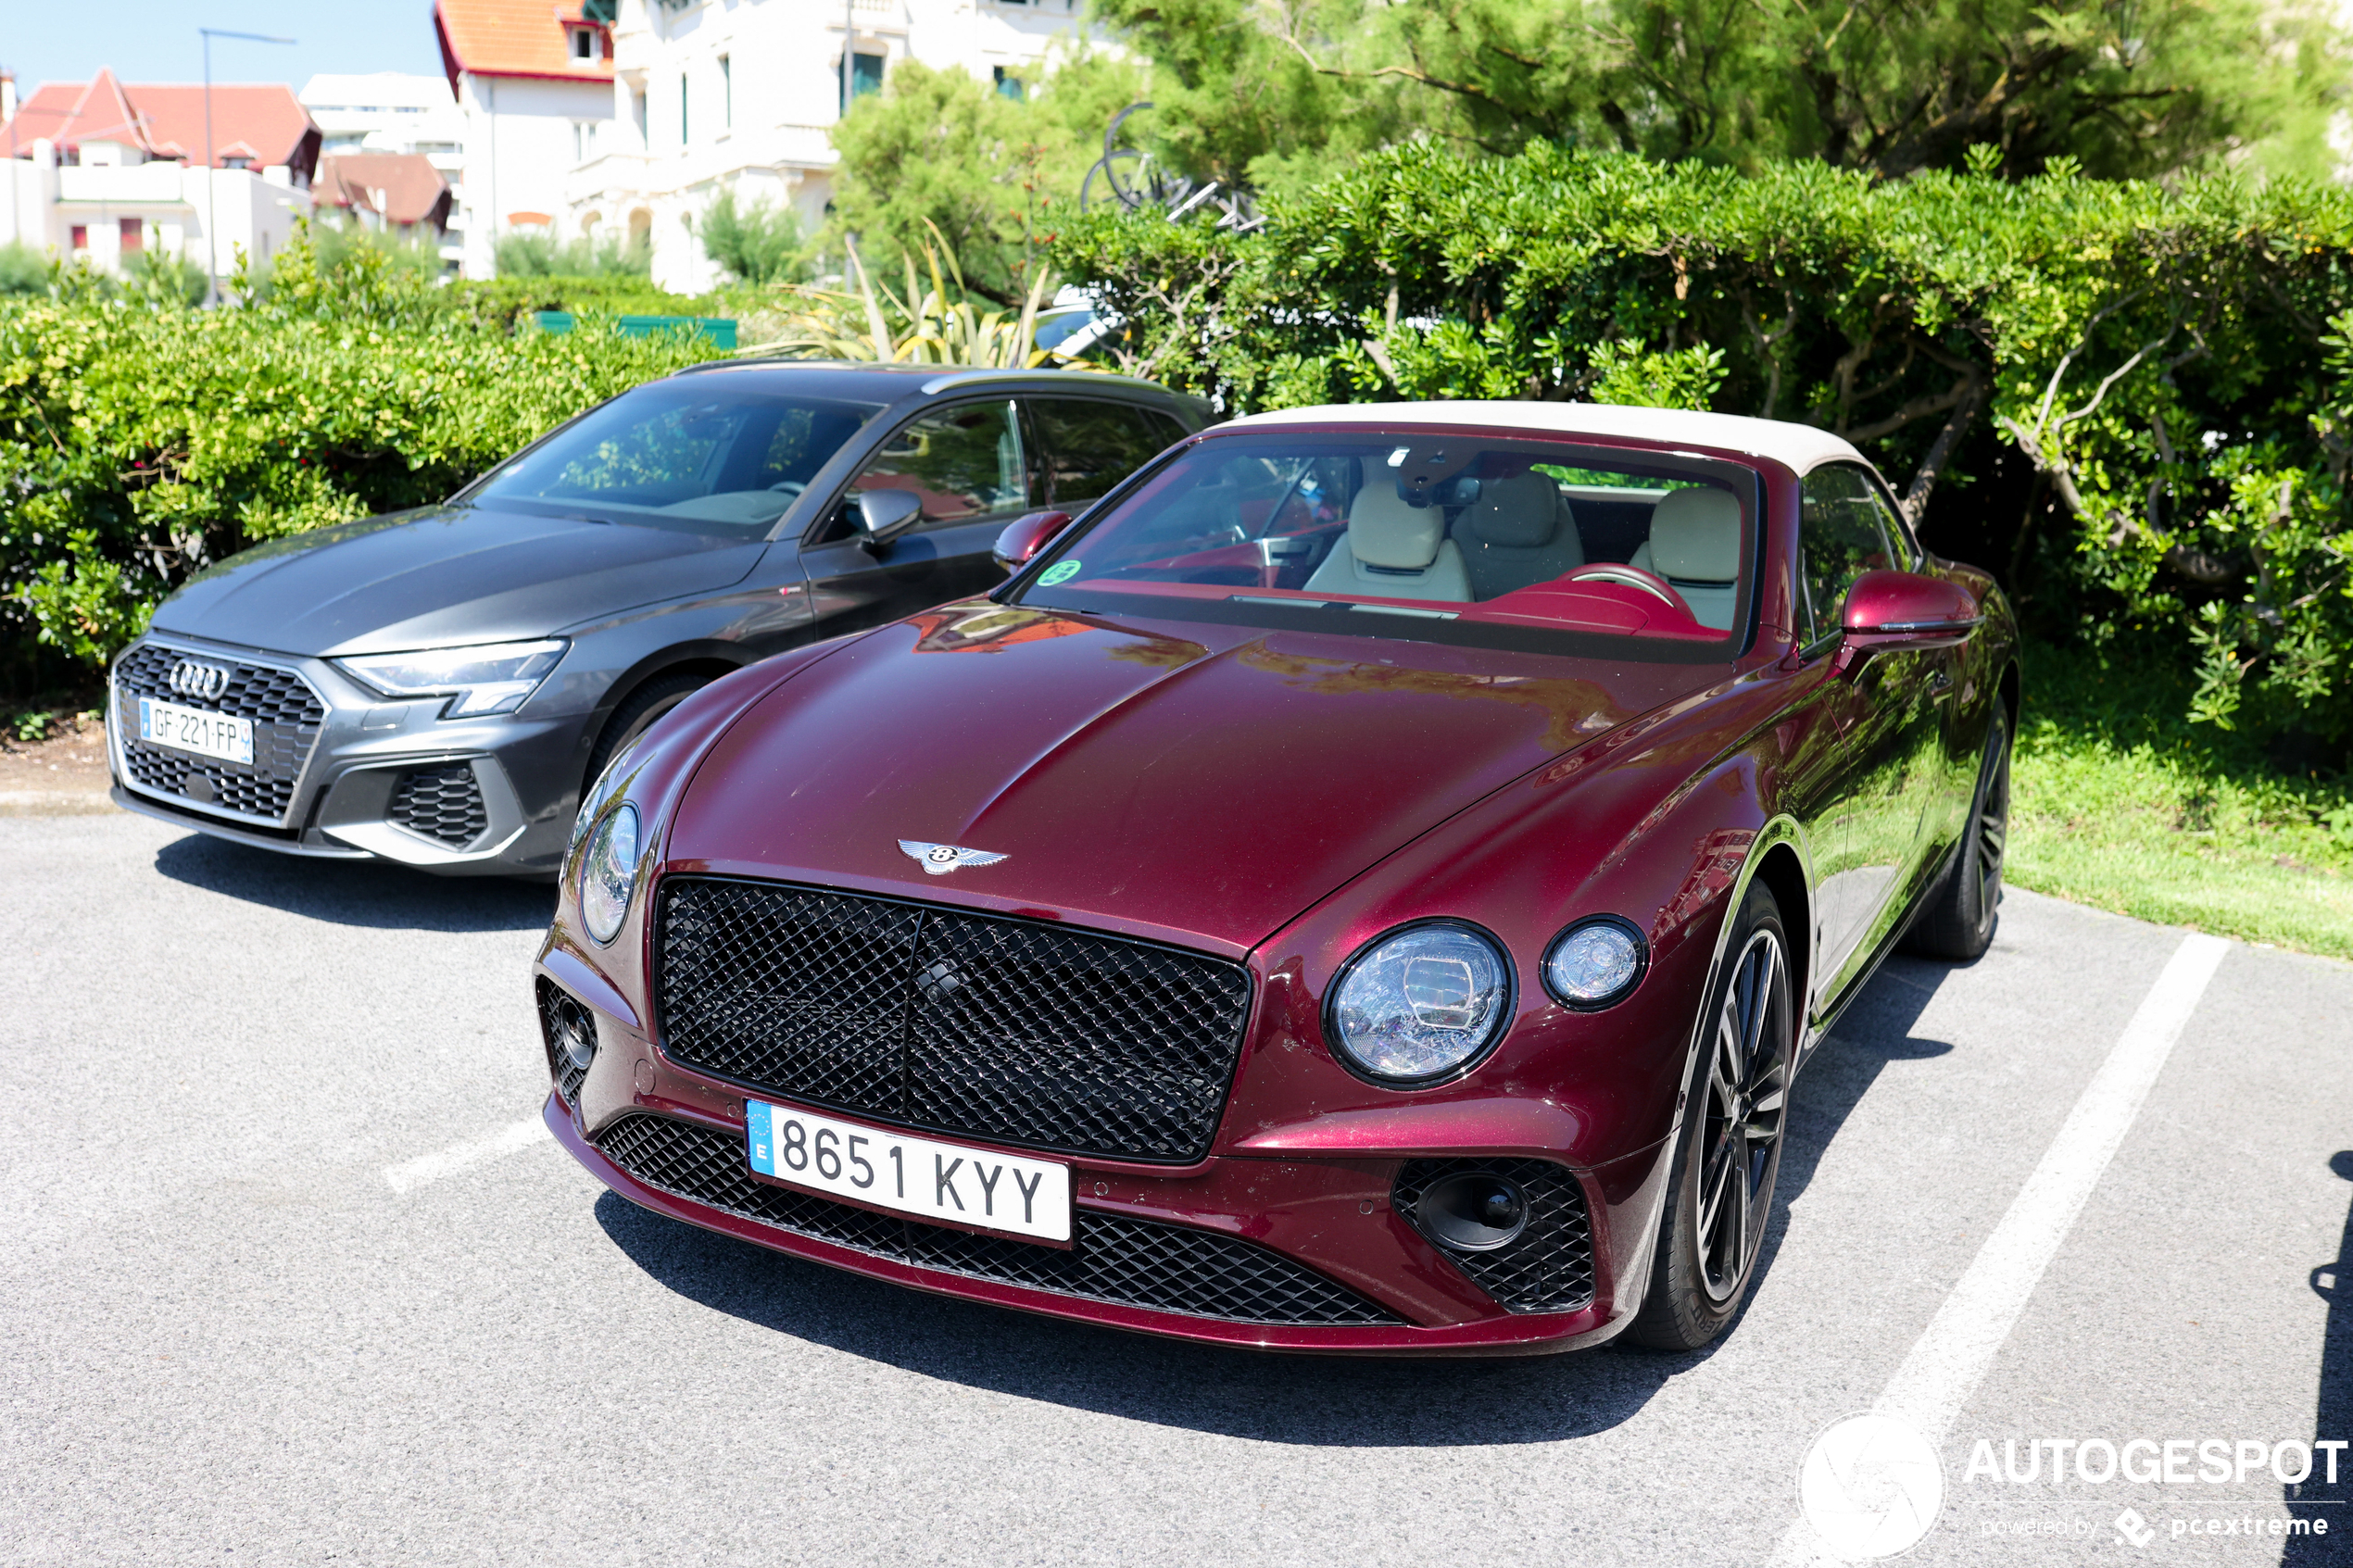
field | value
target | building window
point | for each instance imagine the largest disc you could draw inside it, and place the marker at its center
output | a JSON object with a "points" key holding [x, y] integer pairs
{"points": [[586, 48], [1009, 85], [134, 234], [865, 75], [726, 92], [583, 140], [637, 117], [81, 236], [685, 135]]}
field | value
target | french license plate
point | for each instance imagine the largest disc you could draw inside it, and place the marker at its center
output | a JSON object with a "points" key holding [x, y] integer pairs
{"points": [[191, 729], [944, 1182]]}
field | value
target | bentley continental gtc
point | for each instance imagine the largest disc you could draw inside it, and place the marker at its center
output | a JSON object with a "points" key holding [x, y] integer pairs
{"points": [[435, 687], [1370, 885]]}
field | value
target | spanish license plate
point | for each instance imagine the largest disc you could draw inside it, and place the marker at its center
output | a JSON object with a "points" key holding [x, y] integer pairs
{"points": [[191, 729], [944, 1182]]}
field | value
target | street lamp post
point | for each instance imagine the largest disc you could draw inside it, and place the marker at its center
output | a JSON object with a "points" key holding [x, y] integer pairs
{"points": [[211, 195]]}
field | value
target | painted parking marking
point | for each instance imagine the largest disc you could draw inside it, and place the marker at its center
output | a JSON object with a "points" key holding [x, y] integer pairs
{"points": [[1953, 1354], [464, 1156]]}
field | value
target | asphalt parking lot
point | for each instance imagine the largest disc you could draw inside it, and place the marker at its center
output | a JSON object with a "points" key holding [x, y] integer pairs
{"points": [[289, 1277]]}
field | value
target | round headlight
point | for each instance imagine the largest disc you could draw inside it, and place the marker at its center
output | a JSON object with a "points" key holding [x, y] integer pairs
{"points": [[1595, 963], [609, 873], [1422, 1003]]}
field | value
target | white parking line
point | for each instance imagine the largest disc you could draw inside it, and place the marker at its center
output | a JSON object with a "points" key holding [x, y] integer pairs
{"points": [[459, 1157], [1952, 1355]]}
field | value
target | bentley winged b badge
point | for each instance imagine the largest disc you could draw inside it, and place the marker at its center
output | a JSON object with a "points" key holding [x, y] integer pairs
{"points": [[938, 860]]}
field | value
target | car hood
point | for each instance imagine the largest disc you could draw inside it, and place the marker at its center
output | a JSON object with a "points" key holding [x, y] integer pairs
{"points": [[449, 574], [1194, 782]]}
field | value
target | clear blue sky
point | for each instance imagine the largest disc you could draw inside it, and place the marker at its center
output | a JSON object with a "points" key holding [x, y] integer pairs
{"points": [[155, 40]]}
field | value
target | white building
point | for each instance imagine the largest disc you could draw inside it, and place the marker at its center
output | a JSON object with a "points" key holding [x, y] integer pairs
{"points": [[715, 94], [534, 84], [101, 170], [387, 111]]}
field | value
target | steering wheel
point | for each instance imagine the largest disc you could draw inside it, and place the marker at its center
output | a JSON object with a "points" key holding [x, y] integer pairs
{"points": [[1628, 577]]}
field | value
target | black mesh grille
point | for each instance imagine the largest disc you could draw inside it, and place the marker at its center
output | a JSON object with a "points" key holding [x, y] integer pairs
{"points": [[570, 1034], [1134, 1262], [953, 1021], [1548, 1266], [286, 717], [442, 803]]}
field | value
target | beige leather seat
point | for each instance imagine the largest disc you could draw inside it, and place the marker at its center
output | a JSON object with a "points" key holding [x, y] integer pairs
{"points": [[1393, 551], [1520, 530], [1695, 545]]}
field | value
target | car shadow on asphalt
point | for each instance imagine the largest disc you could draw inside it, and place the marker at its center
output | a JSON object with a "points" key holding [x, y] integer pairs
{"points": [[369, 894], [2312, 1498], [1272, 1397]]}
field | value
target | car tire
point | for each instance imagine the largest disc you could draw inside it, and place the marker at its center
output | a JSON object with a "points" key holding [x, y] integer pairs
{"points": [[1956, 923], [1728, 1154], [636, 715]]}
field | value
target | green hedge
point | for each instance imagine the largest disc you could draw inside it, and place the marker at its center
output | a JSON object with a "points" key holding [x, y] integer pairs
{"points": [[138, 444], [2133, 401]]}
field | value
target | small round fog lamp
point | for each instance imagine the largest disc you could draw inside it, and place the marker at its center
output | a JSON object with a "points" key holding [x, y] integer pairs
{"points": [[1595, 963], [1477, 1211]]}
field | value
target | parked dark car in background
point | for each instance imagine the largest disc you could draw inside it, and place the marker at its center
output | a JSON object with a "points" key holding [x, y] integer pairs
{"points": [[437, 686]]}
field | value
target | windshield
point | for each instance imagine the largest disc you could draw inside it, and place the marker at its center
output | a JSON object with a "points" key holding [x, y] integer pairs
{"points": [[1430, 534], [687, 454]]}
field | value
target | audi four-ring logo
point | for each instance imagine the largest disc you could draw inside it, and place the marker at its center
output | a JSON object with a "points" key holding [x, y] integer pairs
{"points": [[202, 681]]}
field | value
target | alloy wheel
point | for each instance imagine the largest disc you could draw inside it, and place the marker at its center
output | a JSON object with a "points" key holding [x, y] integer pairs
{"points": [[1746, 1098], [1993, 829]]}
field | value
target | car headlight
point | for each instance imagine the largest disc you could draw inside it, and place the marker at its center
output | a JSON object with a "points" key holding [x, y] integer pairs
{"points": [[609, 873], [490, 678], [1595, 963], [1421, 1003]]}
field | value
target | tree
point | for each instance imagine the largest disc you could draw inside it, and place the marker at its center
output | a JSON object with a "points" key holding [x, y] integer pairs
{"points": [[759, 242], [938, 153], [1268, 94]]}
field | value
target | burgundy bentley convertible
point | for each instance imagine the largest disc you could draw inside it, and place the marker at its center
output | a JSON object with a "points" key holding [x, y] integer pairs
{"points": [[1369, 884]]}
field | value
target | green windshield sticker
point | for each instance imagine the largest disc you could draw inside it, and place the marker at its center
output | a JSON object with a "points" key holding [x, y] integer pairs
{"points": [[1061, 572]]}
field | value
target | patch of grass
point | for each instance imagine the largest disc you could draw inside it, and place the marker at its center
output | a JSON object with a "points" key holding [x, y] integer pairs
{"points": [[2118, 801]]}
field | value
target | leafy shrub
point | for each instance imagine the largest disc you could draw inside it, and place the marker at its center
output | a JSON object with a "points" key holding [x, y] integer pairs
{"points": [[2136, 402], [523, 253], [23, 271], [140, 444], [759, 242]]}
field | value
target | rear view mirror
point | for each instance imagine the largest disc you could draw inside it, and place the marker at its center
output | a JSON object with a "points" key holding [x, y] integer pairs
{"points": [[1893, 609], [1026, 535], [883, 515]]}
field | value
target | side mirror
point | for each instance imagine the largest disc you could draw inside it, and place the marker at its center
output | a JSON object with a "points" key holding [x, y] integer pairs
{"points": [[1026, 535], [883, 515], [1903, 610]]}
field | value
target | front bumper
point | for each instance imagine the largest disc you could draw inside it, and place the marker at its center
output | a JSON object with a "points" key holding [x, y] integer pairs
{"points": [[1212, 1253], [341, 774]]}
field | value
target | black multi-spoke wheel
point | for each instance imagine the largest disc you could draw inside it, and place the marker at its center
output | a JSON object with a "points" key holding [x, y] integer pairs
{"points": [[1713, 1224], [1957, 919], [1747, 1093]]}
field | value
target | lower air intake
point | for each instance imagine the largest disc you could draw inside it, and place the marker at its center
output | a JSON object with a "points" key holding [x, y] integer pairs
{"points": [[1133, 1262], [1548, 1266]]}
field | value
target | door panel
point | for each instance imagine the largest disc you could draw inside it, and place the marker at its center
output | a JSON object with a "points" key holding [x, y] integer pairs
{"points": [[970, 465], [1890, 765]]}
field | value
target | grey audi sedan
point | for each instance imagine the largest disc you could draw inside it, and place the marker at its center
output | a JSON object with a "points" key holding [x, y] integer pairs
{"points": [[437, 686]]}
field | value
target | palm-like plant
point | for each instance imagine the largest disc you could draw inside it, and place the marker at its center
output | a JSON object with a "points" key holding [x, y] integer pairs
{"points": [[912, 325]]}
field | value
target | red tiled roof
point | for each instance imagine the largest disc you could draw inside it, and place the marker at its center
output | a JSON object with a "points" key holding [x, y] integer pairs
{"points": [[399, 187], [266, 123], [514, 38]]}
